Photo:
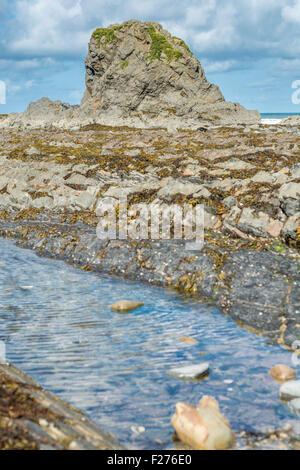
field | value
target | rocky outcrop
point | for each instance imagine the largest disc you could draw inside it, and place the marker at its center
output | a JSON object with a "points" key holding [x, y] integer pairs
{"points": [[138, 75], [291, 121]]}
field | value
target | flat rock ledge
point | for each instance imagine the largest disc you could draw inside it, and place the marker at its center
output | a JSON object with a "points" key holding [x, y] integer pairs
{"points": [[32, 418]]}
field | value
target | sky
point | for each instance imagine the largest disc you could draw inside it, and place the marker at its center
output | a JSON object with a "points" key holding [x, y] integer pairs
{"points": [[249, 48]]}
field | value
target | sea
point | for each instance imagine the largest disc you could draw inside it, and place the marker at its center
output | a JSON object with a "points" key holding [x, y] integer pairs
{"points": [[275, 118]]}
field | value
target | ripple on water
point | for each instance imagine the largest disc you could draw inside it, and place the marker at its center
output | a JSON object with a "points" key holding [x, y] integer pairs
{"points": [[113, 366]]}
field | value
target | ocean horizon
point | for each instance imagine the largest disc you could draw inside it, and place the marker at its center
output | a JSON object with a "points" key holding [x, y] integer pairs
{"points": [[274, 118]]}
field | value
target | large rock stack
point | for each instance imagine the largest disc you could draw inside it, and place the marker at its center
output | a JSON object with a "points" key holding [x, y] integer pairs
{"points": [[138, 74]]}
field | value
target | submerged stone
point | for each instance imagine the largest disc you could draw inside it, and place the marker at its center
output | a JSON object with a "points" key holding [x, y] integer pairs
{"points": [[191, 372], [203, 427], [294, 406], [282, 373], [290, 390], [188, 340], [125, 306]]}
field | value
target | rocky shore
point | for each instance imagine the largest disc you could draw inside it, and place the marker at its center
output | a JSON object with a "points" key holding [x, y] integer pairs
{"points": [[247, 178], [33, 419], [152, 130]]}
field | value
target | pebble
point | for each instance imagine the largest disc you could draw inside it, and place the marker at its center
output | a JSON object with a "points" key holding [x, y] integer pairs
{"points": [[188, 340], [125, 306], [282, 373], [294, 406], [203, 427], [290, 390], [191, 372]]}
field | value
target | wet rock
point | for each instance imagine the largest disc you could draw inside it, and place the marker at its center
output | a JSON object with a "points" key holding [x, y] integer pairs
{"points": [[125, 306], [203, 427], [192, 372], [289, 195], [203, 193], [43, 202], [178, 188], [32, 151], [235, 164], [86, 199], [290, 390], [294, 406], [230, 202], [295, 170], [79, 180], [291, 226], [263, 177], [256, 224], [3, 182], [282, 373]]}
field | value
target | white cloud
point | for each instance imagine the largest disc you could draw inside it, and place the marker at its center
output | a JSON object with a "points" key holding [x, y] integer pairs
{"points": [[218, 66], [292, 13], [224, 33], [46, 27], [288, 66]]}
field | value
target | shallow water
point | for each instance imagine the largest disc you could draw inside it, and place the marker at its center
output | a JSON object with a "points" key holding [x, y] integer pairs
{"points": [[58, 327]]}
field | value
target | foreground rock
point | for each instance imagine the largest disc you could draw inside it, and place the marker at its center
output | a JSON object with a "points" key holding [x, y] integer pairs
{"points": [[34, 419], [203, 427], [126, 306], [290, 390], [192, 372], [137, 74], [282, 373], [294, 406]]}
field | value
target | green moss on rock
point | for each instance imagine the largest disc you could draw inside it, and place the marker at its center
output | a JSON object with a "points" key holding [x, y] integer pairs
{"points": [[107, 33], [160, 44], [124, 64], [181, 43]]}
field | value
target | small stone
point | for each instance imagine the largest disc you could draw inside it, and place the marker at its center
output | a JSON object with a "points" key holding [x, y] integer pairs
{"points": [[295, 170], [290, 229], [229, 202], [126, 306], [290, 390], [287, 428], [274, 228], [263, 177], [138, 429], [294, 406], [203, 427], [32, 151], [235, 164], [188, 340], [191, 372], [282, 373], [43, 422]]}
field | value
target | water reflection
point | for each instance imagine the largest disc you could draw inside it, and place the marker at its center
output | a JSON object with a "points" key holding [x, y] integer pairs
{"points": [[59, 328]]}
